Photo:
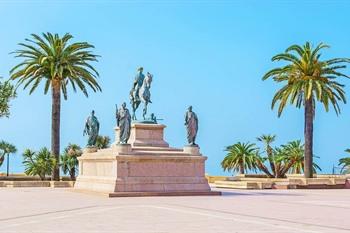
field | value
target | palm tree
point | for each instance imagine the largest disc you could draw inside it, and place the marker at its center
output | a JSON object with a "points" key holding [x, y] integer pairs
{"points": [[52, 59], [102, 142], [345, 163], [7, 92], [39, 163], [268, 139], [259, 162], [308, 79], [6, 149], [240, 157], [69, 161], [291, 158]]}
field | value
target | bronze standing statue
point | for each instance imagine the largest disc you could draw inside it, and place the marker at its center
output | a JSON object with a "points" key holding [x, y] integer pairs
{"points": [[124, 124], [92, 127], [191, 123]]}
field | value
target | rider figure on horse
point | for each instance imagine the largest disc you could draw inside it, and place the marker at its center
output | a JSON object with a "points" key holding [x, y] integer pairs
{"points": [[140, 92], [138, 83]]}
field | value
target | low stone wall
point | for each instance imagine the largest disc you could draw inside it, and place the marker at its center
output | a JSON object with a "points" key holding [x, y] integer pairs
{"points": [[291, 182], [38, 184], [23, 177], [212, 179]]}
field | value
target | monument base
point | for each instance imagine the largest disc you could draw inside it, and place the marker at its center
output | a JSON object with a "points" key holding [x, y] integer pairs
{"points": [[133, 170], [90, 149]]}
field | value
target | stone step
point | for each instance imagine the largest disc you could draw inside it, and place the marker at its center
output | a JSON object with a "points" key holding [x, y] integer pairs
{"points": [[243, 185], [283, 185], [22, 184], [169, 193], [61, 184], [252, 179], [321, 186], [27, 184], [317, 181]]}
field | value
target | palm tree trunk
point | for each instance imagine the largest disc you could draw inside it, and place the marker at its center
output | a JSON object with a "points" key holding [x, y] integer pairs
{"points": [[72, 174], [8, 165], [241, 169], [271, 160], [286, 169], [55, 127], [264, 169], [308, 134]]}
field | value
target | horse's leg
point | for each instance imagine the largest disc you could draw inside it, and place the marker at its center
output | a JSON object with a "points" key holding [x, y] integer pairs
{"points": [[133, 112], [145, 110]]}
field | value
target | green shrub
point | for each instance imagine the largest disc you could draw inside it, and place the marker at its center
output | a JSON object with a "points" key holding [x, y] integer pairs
{"points": [[39, 163], [69, 160]]}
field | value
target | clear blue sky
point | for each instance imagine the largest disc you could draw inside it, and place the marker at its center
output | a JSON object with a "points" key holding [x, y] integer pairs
{"points": [[210, 54]]}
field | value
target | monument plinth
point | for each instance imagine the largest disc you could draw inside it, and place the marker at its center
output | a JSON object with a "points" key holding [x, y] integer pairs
{"points": [[143, 167], [145, 135]]}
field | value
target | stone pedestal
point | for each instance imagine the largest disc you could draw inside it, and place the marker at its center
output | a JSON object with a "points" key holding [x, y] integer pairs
{"points": [[192, 150], [121, 148], [90, 149], [145, 135], [145, 166]]}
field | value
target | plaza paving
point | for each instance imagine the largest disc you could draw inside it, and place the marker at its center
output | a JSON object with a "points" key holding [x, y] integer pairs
{"points": [[42, 210]]}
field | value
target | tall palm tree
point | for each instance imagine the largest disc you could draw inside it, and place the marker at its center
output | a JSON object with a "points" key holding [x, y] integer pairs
{"points": [[268, 139], [308, 79], [7, 149], [58, 63], [240, 157]]}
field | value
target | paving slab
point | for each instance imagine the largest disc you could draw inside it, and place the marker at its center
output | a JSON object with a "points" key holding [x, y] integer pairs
{"points": [[44, 210]]}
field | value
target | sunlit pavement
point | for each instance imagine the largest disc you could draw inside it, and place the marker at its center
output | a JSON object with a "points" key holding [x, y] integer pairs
{"points": [[42, 210]]}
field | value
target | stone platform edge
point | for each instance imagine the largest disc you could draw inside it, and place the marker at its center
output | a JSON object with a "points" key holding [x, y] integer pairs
{"points": [[148, 194], [36, 184], [170, 193]]}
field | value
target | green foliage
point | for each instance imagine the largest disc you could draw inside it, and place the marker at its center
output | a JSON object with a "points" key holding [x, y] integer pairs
{"points": [[240, 157], [69, 161], [57, 64], [345, 163], [102, 142], [51, 59], [39, 163], [7, 92], [291, 156], [276, 163], [267, 140], [307, 77], [6, 149]]}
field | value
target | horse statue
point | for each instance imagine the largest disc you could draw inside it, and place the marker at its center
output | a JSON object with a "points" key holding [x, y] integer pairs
{"points": [[135, 102], [141, 94]]}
